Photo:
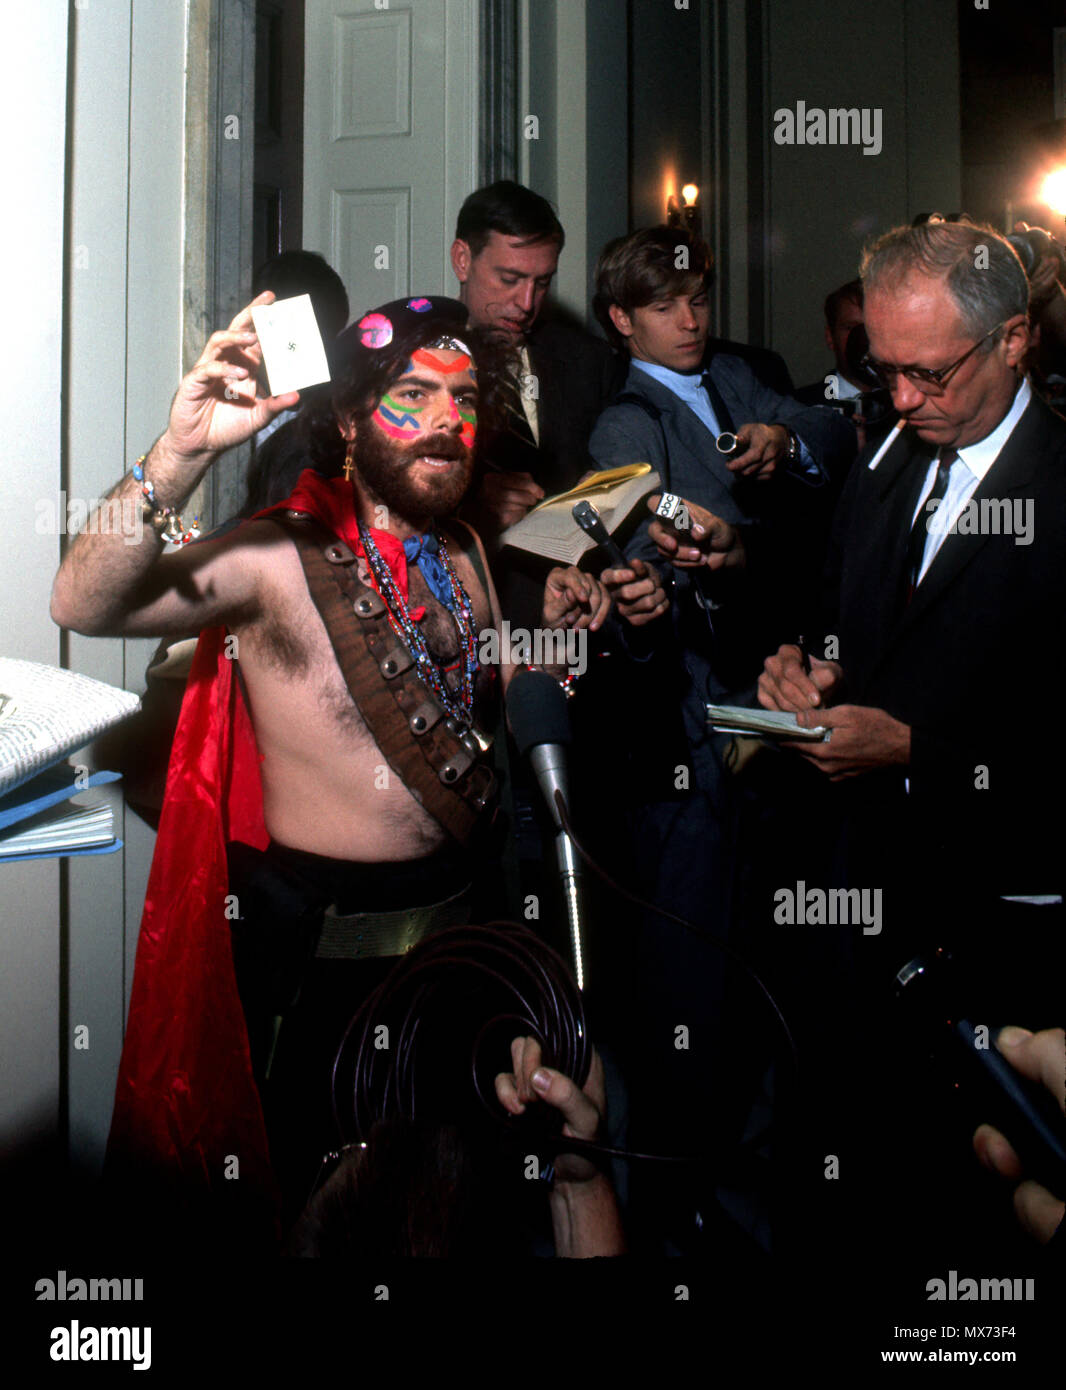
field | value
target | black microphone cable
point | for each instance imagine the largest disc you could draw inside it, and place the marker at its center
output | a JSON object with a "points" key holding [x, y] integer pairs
{"points": [[525, 988], [534, 995], [700, 932]]}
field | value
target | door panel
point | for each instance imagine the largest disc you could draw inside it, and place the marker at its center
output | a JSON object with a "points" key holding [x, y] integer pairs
{"points": [[389, 128]]}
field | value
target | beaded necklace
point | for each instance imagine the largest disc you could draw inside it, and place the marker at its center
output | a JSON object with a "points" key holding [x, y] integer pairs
{"points": [[459, 704]]}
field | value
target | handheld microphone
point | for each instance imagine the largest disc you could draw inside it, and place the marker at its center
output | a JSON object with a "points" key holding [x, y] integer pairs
{"points": [[540, 722], [590, 521], [998, 1094]]}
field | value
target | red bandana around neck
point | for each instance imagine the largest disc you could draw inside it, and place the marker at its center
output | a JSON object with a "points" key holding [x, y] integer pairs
{"points": [[331, 501]]}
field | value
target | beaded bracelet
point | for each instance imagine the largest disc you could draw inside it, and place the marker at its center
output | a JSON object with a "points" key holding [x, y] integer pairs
{"points": [[165, 521]]}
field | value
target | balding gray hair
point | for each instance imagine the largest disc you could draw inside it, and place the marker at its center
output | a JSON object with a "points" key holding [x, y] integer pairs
{"points": [[980, 269]]}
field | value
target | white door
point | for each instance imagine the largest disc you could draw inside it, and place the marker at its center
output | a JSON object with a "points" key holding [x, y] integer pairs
{"points": [[390, 139]]}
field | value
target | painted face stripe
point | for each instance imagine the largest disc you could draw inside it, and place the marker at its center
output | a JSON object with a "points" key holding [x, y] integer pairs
{"points": [[429, 359], [398, 408], [398, 421]]}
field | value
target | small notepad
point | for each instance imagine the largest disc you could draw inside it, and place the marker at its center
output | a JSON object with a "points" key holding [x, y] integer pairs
{"points": [[739, 719]]}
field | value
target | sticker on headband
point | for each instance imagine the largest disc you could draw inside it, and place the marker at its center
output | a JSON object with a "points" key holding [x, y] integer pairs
{"points": [[375, 331], [420, 306]]}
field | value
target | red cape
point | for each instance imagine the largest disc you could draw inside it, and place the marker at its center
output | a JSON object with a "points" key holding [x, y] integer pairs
{"points": [[186, 1103]]}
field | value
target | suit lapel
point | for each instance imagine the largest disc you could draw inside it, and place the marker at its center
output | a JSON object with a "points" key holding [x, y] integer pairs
{"points": [[684, 423], [1011, 473], [718, 405], [543, 365]]}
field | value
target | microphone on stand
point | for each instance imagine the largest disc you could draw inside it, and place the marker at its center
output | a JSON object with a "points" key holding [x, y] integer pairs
{"points": [[540, 722]]}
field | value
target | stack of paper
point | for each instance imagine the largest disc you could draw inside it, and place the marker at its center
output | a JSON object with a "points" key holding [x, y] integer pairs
{"points": [[45, 714], [739, 719], [61, 830]]}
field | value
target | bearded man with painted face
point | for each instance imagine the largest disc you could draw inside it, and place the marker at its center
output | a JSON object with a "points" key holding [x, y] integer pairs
{"points": [[328, 784]]}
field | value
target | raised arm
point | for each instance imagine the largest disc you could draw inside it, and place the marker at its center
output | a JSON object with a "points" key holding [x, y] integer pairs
{"points": [[115, 579]]}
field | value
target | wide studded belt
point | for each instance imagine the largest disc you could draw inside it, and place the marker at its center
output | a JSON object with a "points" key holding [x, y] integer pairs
{"points": [[368, 935]]}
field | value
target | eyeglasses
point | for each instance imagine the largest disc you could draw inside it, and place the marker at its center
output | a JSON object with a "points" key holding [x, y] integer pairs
{"points": [[931, 380]]}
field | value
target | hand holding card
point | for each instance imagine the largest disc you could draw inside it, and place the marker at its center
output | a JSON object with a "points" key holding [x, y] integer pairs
{"points": [[293, 354], [217, 406]]}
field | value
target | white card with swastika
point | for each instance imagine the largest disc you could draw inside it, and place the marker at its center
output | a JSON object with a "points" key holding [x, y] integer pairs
{"points": [[293, 353]]}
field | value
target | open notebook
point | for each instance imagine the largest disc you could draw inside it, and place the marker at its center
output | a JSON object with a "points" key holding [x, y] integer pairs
{"points": [[550, 529]]}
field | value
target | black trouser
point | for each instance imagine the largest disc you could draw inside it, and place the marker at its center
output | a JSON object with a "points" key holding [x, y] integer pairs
{"points": [[281, 896]]}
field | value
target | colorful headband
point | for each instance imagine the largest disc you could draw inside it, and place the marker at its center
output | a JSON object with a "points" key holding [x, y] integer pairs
{"points": [[448, 344]]}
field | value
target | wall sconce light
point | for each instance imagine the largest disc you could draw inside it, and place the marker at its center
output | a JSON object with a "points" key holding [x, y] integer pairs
{"points": [[684, 212], [1053, 191]]}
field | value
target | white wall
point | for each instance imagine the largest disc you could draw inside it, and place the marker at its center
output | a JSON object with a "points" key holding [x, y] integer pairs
{"points": [[99, 168], [33, 70], [124, 361]]}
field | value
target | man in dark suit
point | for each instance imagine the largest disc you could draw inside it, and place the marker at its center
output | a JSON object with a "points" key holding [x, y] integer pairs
{"points": [[948, 558], [945, 595], [506, 250]]}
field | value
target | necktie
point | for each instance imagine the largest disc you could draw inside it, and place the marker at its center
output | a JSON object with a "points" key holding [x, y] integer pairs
{"points": [[920, 530], [721, 411], [519, 403]]}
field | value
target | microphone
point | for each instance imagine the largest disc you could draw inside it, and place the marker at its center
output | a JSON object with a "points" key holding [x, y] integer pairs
{"points": [[540, 723], [1022, 1110], [590, 521]]}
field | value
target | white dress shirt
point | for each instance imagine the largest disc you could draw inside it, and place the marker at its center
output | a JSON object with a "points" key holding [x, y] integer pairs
{"points": [[967, 473]]}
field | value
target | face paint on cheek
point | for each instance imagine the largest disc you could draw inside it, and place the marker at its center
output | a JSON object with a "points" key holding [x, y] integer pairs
{"points": [[399, 420], [469, 418]]}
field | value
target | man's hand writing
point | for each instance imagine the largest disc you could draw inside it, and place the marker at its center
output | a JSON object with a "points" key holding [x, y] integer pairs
{"points": [[786, 685]]}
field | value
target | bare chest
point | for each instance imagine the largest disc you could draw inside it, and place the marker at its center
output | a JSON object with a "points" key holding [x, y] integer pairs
{"points": [[319, 759]]}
